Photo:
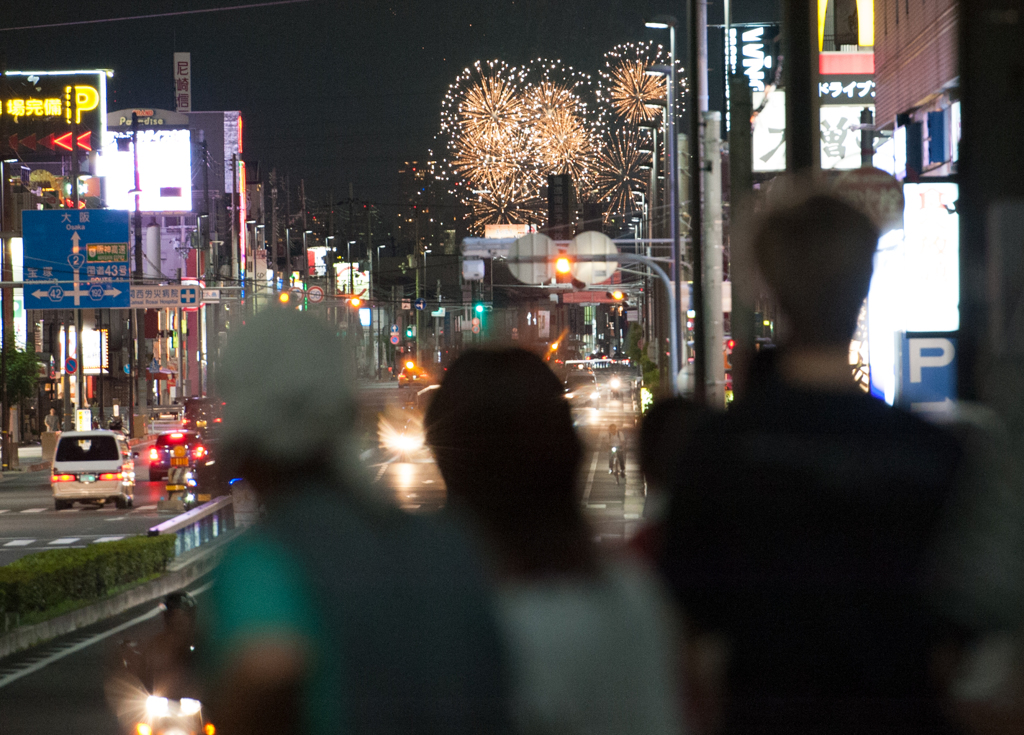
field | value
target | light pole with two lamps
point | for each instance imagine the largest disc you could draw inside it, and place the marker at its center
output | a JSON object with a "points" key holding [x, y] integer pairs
{"points": [[670, 72]]}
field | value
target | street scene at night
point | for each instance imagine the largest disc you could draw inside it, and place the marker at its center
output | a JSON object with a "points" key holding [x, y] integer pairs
{"points": [[617, 367]]}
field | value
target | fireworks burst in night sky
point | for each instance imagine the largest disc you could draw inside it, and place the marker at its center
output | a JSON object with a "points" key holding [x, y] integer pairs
{"points": [[505, 129], [623, 171]]}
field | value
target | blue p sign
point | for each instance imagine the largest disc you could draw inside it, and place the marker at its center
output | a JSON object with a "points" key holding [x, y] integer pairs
{"points": [[927, 371]]}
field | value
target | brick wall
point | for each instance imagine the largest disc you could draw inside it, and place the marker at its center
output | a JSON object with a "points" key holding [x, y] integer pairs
{"points": [[915, 53]]}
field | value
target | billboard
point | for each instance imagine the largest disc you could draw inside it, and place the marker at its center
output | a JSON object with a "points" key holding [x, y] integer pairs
{"points": [[42, 110], [165, 170], [916, 282], [840, 134]]}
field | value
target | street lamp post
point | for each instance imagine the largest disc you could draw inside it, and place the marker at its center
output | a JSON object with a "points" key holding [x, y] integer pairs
{"points": [[669, 22]]}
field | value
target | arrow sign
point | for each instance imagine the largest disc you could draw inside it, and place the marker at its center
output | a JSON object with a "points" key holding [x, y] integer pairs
{"points": [[29, 142], [47, 142], [64, 141], [84, 141]]}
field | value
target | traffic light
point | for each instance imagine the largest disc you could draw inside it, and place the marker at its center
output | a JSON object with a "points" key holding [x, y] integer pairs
{"points": [[283, 297], [730, 344], [563, 270], [355, 302], [410, 331], [479, 308], [617, 295]]}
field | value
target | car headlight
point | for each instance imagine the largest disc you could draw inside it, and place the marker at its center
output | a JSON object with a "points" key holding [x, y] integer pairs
{"points": [[569, 395], [597, 394], [156, 706], [615, 383], [189, 706]]}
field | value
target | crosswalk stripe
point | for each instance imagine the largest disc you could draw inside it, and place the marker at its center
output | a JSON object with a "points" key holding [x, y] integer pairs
{"points": [[62, 541], [5, 510], [33, 510], [146, 507], [20, 542], [104, 539]]}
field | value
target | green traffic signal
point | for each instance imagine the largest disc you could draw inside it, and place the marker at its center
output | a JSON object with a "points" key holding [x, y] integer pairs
{"points": [[479, 308]]}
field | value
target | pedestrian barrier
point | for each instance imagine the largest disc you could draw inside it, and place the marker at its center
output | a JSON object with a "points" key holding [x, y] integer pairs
{"points": [[200, 525]]}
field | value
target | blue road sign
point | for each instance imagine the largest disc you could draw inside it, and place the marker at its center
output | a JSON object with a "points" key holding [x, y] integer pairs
{"points": [[127, 370], [394, 329], [420, 304], [394, 338], [71, 366], [76, 259], [927, 379]]}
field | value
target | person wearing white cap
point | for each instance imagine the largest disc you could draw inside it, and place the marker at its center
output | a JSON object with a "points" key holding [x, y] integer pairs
{"points": [[339, 613]]}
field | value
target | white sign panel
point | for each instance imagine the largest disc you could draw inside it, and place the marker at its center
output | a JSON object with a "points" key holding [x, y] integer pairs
{"points": [[916, 282], [183, 82], [351, 280], [543, 325], [840, 138], [165, 171], [165, 297]]}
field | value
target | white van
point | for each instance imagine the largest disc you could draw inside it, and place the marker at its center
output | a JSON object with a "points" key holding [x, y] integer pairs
{"points": [[92, 466]]}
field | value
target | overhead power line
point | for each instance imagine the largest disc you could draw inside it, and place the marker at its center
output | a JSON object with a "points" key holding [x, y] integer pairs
{"points": [[154, 15]]}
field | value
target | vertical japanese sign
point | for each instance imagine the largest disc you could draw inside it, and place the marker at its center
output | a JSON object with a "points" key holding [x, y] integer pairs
{"points": [[183, 82]]}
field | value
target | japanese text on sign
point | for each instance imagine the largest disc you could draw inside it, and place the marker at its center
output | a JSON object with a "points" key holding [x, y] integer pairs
{"points": [[183, 82]]}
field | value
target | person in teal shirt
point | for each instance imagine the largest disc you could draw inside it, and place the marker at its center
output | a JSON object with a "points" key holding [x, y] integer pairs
{"points": [[337, 613]]}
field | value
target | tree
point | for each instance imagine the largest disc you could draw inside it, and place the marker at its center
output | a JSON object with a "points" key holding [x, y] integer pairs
{"points": [[636, 353], [22, 372]]}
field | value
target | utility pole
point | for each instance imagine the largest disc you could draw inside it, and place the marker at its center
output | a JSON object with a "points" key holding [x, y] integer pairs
{"points": [[698, 10], [79, 363], [741, 266], [800, 33], [714, 336], [208, 269], [138, 323]]}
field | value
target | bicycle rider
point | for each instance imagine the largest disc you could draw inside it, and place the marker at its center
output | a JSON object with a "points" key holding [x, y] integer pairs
{"points": [[616, 439]]}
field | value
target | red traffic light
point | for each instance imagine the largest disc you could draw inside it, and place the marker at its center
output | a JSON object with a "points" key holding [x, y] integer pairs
{"points": [[730, 344]]}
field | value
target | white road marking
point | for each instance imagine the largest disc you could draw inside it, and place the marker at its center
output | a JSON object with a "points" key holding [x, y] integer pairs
{"points": [[33, 510], [631, 516], [104, 539], [409, 506], [118, 518], [5, 510], [146, 507], [428, 482], [20, 542], [590, 479], [63, 541], [596, 506], [380, 473], [67, 651]]}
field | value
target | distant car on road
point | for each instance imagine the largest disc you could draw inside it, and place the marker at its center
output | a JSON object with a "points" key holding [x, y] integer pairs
{"points": [[581, 389], [92, 466], [413, 374], [202, 413], [160, 453]]}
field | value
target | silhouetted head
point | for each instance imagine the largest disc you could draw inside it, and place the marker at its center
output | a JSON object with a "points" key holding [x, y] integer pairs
{"points": [[289, 406], [501, 431], [665, 431], [817, 255]]}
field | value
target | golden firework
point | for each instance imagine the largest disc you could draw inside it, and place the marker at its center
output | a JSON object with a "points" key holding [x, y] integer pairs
{"points": [[622, 172]]}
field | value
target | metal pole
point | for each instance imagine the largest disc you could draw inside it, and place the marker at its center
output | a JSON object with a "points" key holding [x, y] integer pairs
{"points": [[698, 94], [673, 191], [138, 323], [867, 138], [714, 336], [741, 267], [801, 70]]}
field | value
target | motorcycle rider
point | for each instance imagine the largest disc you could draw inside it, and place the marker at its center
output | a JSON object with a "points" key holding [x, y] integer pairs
{"points": [[616, 440], [167, 657]]}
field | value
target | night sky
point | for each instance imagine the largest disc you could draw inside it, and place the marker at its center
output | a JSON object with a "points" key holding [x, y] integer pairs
{"points": [[334, 91]]}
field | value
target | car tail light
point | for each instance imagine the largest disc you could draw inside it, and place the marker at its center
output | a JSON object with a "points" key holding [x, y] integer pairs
{"points": [[177, 436], [217, 420], [62, 478], [199, 452], [184, 421], [154, 455], [111, 476]]}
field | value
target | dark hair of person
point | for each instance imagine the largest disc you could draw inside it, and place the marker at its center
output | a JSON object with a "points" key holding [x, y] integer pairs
{"points": [[502, 434], [665, 431], [817, 256]]}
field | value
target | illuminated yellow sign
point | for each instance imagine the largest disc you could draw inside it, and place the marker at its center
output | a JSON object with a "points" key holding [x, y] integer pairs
{"points": [[865, 22], [86, 98]]}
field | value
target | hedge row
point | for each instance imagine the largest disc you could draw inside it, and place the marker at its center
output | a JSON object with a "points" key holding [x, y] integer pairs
{"points": [[40, 581]]}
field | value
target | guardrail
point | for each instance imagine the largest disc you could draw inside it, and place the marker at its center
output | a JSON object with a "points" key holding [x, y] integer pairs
{"points": [[200, 525]]}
